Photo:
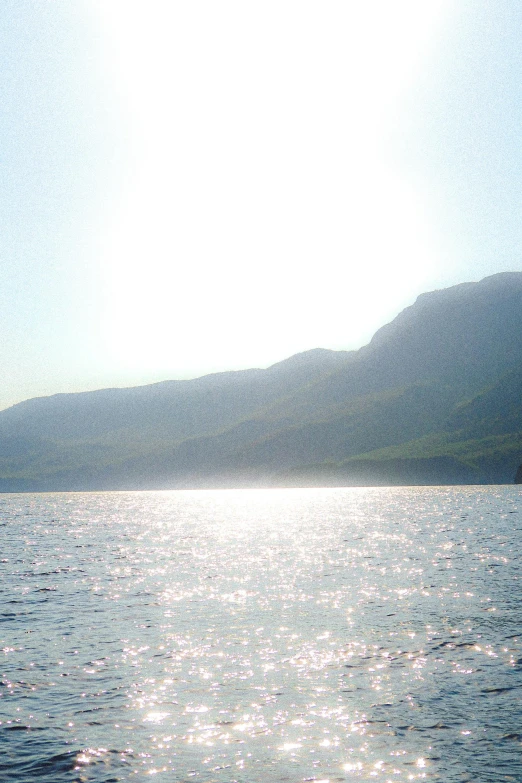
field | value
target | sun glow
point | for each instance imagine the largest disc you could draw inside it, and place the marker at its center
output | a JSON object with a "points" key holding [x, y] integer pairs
{"points": [[261, 199]]}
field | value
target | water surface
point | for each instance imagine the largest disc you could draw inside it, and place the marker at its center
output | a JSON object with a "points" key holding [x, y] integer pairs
{"points": [[261, 636]]}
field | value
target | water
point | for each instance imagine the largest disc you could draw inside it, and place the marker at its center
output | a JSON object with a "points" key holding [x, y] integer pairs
{"points": [[261, 636]]}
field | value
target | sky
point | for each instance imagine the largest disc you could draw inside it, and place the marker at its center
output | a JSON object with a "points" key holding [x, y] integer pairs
{"points": [[190, 187]]}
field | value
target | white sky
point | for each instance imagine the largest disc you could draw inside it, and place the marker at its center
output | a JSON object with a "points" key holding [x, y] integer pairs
{"points": [[199, 186], [263, 213]]}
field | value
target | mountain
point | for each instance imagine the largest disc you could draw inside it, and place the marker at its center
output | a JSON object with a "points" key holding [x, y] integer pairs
{"points": [[433, 398]]}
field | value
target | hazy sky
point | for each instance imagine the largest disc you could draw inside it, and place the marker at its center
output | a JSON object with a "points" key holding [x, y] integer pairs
{"points": [[196, 186]]}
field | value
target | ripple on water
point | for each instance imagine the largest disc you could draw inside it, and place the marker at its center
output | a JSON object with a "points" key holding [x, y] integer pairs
{"points": [[262, 636]]}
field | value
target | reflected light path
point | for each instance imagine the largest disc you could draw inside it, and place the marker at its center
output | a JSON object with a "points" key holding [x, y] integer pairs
{"points": [[300, 635]]}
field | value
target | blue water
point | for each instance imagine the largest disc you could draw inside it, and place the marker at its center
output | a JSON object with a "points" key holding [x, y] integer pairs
{"points": [[262, 636]]}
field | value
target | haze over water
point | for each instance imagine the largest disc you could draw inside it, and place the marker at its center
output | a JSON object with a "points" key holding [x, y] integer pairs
{"points": [[257, 636]]}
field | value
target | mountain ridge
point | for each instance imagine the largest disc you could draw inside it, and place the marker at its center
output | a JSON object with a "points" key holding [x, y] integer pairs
{"points": [[448, 366]]}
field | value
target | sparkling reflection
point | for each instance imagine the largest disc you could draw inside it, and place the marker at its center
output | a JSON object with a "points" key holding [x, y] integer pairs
{"points": [[320, 635]]}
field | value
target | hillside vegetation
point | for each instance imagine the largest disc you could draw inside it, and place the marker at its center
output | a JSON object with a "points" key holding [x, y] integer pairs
{"points": [[434, 398]]}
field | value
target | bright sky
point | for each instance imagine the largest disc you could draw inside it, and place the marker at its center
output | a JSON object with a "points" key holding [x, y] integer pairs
{"points": [[197, 186]]}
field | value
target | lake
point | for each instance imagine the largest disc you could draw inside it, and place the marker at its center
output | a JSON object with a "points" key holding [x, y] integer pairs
{"points": [[262, 636]]}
